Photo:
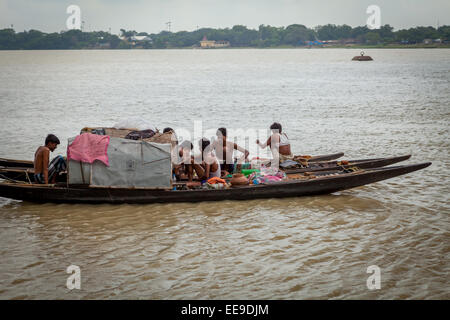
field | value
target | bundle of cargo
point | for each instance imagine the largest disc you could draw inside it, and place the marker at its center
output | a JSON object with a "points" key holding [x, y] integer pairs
{"points": [[115, 162], [147, 135]]}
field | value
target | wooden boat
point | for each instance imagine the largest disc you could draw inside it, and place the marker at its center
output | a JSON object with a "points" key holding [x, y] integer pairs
{"points": [[291, 188], [17, 174], [326, 157], [22, 170], [343, 165], [27, 174], [15, 163], [29, 164]]}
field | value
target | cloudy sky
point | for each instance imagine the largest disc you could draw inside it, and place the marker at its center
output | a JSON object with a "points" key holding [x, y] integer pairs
{"points": [[151, 15]]}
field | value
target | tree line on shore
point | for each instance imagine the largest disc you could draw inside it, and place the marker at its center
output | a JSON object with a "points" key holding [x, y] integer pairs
{"points": [[238, 36]]}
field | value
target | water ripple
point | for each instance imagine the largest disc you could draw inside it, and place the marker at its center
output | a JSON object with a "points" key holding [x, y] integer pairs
{"points": [[298, 248]]}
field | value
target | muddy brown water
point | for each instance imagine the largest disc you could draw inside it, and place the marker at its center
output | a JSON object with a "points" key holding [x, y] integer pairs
{"points": [[296, 248]]}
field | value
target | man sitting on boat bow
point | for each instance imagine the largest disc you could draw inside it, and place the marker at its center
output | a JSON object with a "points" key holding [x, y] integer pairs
{"points": [[43, 170]]}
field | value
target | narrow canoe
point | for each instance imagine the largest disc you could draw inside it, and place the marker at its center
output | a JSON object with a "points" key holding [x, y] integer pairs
{"points": [[326, 157], [16, 163], [17, 174], [337, 165], [291, 188], [27, 174], [4, 162]]}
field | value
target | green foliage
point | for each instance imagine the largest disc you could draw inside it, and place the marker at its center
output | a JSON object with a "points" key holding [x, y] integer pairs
{"points": [[72, 39], [373, 37], [333, 32], [125, 33], [297, 34], [415, 35], [269, 36], [238, 36]]}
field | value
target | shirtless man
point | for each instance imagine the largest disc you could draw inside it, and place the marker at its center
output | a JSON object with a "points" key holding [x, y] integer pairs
{"points": [[174, 138], [182, 160], [224, 150], [209, 166], [45, 172]]}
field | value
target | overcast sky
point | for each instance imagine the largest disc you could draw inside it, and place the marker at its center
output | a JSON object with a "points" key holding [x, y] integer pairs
{"points": [[151, 15]]}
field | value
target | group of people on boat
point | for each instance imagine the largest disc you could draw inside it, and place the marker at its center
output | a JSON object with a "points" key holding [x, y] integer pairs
{"points": [[215, 160]]}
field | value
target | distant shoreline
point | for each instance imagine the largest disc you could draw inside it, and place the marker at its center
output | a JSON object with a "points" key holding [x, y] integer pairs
{"points": [[294, 36], [355, 47]]}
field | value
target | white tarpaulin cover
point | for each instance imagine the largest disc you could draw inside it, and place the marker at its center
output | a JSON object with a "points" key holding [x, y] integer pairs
{"points": [[133, 163]]}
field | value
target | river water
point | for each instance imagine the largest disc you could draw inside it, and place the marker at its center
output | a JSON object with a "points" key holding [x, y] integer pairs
{"points": [[298, 248]]}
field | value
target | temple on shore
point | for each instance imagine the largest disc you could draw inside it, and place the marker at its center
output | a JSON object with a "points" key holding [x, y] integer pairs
{"points": [[206, 44]]}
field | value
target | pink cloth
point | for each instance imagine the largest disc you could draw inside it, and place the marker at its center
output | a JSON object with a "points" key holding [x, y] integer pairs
{"points": [[89, 147]]}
